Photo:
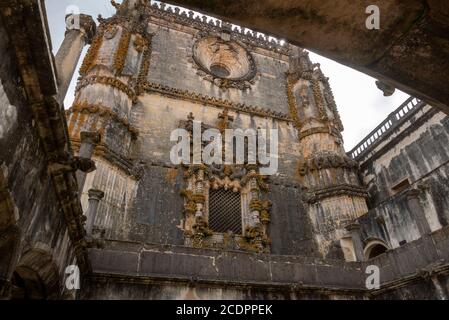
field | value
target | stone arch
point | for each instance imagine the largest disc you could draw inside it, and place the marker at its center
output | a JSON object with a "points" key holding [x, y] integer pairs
{"points": [[35, 277], [375, 247]]}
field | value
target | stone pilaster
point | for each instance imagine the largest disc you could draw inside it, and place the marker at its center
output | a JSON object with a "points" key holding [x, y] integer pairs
{"points": [[95, 197], [80, 31], [354, 231], [417, 211]]}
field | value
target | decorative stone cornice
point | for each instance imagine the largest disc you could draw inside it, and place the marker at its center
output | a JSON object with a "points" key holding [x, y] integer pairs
{"points": [[217, 102], [108, 81], [313, 196], [320, 161], [309, 132]]}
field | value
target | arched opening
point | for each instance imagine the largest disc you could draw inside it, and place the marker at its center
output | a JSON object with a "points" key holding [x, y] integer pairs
{"points": [[26, 284], [375, 248], [35, 277], [220, 70]]}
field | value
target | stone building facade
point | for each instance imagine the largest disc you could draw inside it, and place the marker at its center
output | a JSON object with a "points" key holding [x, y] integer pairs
{"points": [[95, 187]]}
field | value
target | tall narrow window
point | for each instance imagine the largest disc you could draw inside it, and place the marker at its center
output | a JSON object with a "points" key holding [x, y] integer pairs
{"points": [[225, 211]]}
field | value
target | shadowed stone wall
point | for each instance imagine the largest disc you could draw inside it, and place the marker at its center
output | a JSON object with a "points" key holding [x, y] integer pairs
{"points": [[34, 241]]}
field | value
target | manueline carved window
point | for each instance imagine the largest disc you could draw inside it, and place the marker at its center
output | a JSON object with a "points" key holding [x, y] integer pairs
{"points": [[225, 206]]}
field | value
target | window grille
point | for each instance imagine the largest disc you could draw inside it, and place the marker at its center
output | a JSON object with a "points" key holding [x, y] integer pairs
{"points": [[225, 212]]}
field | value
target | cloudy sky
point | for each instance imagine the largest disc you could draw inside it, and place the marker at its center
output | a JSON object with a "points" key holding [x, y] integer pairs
{"points": [[362, 106]]}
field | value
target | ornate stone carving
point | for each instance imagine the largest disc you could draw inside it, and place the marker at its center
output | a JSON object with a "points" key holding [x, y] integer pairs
{"points": [[113, 82], [92, 54], [243, 179], [110, 32], [227, 64], [244, 35], [301, 68], [320, 161], [122, 51], [146, 61], [315, 195]]}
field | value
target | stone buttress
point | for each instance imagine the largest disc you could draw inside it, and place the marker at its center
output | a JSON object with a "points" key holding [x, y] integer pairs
{"points": [[333, 193]]}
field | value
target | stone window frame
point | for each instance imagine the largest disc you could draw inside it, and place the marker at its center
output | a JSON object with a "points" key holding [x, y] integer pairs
{"points": [[254, 210]]}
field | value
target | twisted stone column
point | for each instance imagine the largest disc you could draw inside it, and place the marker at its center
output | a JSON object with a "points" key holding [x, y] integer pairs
{"points": [[80, 31]]}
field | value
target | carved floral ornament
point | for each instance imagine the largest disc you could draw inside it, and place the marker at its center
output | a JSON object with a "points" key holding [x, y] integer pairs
{"points": [[223, 62]]}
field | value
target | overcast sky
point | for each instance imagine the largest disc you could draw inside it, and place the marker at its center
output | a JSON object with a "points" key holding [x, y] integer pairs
{"points": [[362, 106]]}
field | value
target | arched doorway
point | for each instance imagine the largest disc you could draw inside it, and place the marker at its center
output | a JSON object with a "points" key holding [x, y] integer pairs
{"points": [[375, 248]]}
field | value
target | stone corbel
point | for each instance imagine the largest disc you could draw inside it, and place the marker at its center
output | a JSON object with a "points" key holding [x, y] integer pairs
{"points": [[71, 165]]}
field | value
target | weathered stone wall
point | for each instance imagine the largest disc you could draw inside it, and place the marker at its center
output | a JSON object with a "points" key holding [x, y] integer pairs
{"points": [[416, 151], [182, 273], [172, 65], [35, 237], [148, 206]]}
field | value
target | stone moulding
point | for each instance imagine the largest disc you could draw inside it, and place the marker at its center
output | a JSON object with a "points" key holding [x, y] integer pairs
{"points": [[326, 161], [313, 196], [109, 81], [196, 97], [309, 132], [50, 119], [103, 112]]}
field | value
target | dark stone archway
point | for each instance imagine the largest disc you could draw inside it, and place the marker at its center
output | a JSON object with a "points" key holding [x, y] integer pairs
{"points": [[35, 277]]}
